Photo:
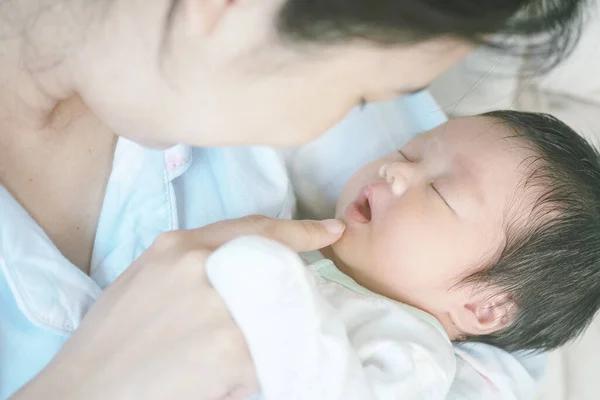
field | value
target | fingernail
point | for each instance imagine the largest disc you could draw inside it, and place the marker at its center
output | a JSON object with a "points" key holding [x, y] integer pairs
{"points": [[334, 226]]}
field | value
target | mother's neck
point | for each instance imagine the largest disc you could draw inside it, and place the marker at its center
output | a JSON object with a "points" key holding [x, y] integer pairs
{"points": [[36, 64]]}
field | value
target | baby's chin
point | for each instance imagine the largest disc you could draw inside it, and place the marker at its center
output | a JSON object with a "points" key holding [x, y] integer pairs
{"points": [[342, 248], [340, 253]]}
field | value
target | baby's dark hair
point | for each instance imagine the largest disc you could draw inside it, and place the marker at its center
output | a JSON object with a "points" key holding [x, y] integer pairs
{"points": [[550, 265]]}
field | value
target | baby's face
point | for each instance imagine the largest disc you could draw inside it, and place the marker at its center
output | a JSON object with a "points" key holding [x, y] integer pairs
{"points": [[420, 219]]}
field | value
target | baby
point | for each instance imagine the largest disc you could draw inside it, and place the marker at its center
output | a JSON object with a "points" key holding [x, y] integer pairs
{"points": [[484, 229]]}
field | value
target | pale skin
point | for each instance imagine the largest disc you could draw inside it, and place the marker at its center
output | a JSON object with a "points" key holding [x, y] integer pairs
{"points": [[421, 219], [76, 75]]}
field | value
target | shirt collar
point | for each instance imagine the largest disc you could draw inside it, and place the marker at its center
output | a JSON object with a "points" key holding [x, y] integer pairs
{"points": [[177, 160], [53, 293], [50, 291]]}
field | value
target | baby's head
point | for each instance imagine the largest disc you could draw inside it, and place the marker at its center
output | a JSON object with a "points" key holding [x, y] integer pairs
{"points": [[490, 223]]}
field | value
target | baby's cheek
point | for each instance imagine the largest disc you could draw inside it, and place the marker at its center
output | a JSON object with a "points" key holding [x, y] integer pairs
{"points": [[411, 253], [393, 254]]}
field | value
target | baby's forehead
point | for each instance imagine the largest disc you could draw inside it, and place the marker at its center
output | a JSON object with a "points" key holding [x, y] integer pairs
{"points": [[473, 138], [471, 131], [482, 153]]}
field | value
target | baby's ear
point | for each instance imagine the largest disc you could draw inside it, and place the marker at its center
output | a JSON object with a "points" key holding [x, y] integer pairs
{"points": [[484, 313]]}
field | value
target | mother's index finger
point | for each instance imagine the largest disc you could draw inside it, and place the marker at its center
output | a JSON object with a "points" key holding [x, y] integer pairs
{"points": [[306, 235]]}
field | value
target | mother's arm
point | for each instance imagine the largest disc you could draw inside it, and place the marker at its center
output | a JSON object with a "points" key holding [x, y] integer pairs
{"points": [[151, 335], [160, 330]]}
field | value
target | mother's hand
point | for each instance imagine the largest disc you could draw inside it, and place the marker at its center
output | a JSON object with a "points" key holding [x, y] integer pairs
{"points": [[299, 235], [160, 330]]}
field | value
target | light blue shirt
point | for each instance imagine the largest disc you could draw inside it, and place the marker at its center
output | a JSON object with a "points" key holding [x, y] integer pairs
{"points": [[43, 297]]}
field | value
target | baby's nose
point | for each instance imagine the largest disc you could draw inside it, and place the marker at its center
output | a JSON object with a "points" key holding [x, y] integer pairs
{"points": [[399, 175]]}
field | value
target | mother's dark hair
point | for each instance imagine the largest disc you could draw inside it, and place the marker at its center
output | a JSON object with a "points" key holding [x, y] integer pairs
{"points": [[555, 23]]}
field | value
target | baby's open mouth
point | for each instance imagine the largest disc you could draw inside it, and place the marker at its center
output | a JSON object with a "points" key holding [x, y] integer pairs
{"points": [[364, 207], [360, 210]]}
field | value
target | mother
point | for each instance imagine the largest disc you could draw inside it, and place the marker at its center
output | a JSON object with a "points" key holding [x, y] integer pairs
{"points": [[77, 74]]}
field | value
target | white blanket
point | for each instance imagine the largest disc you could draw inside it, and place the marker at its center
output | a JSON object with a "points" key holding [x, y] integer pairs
{"points": [[312, 337]]}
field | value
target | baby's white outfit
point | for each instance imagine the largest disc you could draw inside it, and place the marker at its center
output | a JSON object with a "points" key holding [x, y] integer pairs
{"points": [[342, 341]]}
